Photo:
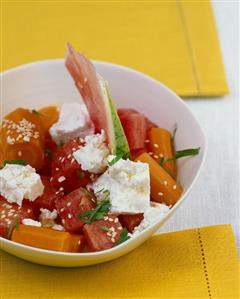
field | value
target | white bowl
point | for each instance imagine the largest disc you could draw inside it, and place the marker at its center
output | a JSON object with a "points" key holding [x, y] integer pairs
{"points": [[42, 83]]}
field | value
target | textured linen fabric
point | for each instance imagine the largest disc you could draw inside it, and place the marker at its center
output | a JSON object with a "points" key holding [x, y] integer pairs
{"points": [[173, 41], [215, 197], [198, 263]]}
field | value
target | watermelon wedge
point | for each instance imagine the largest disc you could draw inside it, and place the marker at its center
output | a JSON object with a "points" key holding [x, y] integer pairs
{"points": [[95, 94]]}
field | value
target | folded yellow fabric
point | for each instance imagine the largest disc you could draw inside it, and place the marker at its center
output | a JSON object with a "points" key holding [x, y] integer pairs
{"points": [[173, 41], [196, 263]]}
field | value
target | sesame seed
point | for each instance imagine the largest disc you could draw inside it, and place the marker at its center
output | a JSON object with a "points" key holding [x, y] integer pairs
{"points": [[109, 234], [119, 228], [156, 145], [105, 218], [160, 193], [69, 216], [63, 221], [61, 189], [51, 178], [79, 242], [26, 138], [28, 211], [62, 209], [69, 204], [150, 153], [174, 187], [155, 156], [69, 156], [147, 141], [3, 216], [85, 80], [56, 168], [72, 160], [165, 183], [161, 155], [61, 179], [110, 219], [73, 148], [19, 153], [113, 240], [116, 220], [10, 140]]}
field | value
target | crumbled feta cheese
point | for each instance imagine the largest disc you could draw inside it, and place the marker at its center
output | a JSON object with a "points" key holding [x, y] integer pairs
{"points": [[128, 183], [93, 155], [58, 227], [74, 121], [47, 218], [46, 214], [18, 182], [151, 215], [29, 221]]}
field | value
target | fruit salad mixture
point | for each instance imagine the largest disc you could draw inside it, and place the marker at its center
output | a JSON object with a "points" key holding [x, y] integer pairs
{"points": [[84, 177]]}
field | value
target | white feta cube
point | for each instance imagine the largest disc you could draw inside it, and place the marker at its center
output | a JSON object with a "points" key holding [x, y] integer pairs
{"points": [[18, 182], [128, 183]]}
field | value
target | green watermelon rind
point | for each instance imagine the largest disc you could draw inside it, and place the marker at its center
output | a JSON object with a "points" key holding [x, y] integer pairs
{"points": [[120, 144]]}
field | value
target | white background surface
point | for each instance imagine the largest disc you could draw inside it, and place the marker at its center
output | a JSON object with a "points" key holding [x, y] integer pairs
{"points": [[215, 198]]}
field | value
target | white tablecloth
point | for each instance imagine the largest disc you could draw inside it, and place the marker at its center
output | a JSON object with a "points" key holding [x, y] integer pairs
{"points": [[215, 197]]}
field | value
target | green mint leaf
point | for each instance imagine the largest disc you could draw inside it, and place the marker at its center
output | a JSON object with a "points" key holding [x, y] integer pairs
{"points": [[114, 160], [88, 193], [123, 237], [36, 112], [48, 153], [174, 134], [104, 228], [99, 191], [18, 162], [14, 223], [99, 212], [187, 152], [180, 154], [80, 174], [60, 144]]}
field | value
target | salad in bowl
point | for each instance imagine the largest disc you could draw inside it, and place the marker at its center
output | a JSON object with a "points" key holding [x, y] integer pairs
{"points": [[85, 176]]}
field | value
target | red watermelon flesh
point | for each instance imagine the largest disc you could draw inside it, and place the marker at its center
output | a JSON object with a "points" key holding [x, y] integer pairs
{"points": [[135, 130], [86, 80], [135, 126]]}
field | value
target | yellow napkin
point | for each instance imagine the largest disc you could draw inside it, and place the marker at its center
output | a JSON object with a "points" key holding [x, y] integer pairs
{"points": [[196, 263], [174, 41]]}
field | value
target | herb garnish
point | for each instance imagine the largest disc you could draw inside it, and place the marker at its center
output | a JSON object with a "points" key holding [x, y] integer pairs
{"points": [[80, 174], [180, 154], [88, 193], [14, 223], [105, 228], [114, 160], [19, 162], [99, 212], [123, 237], [36, 112], [48, 153], [174, 134], [60, 144]]}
